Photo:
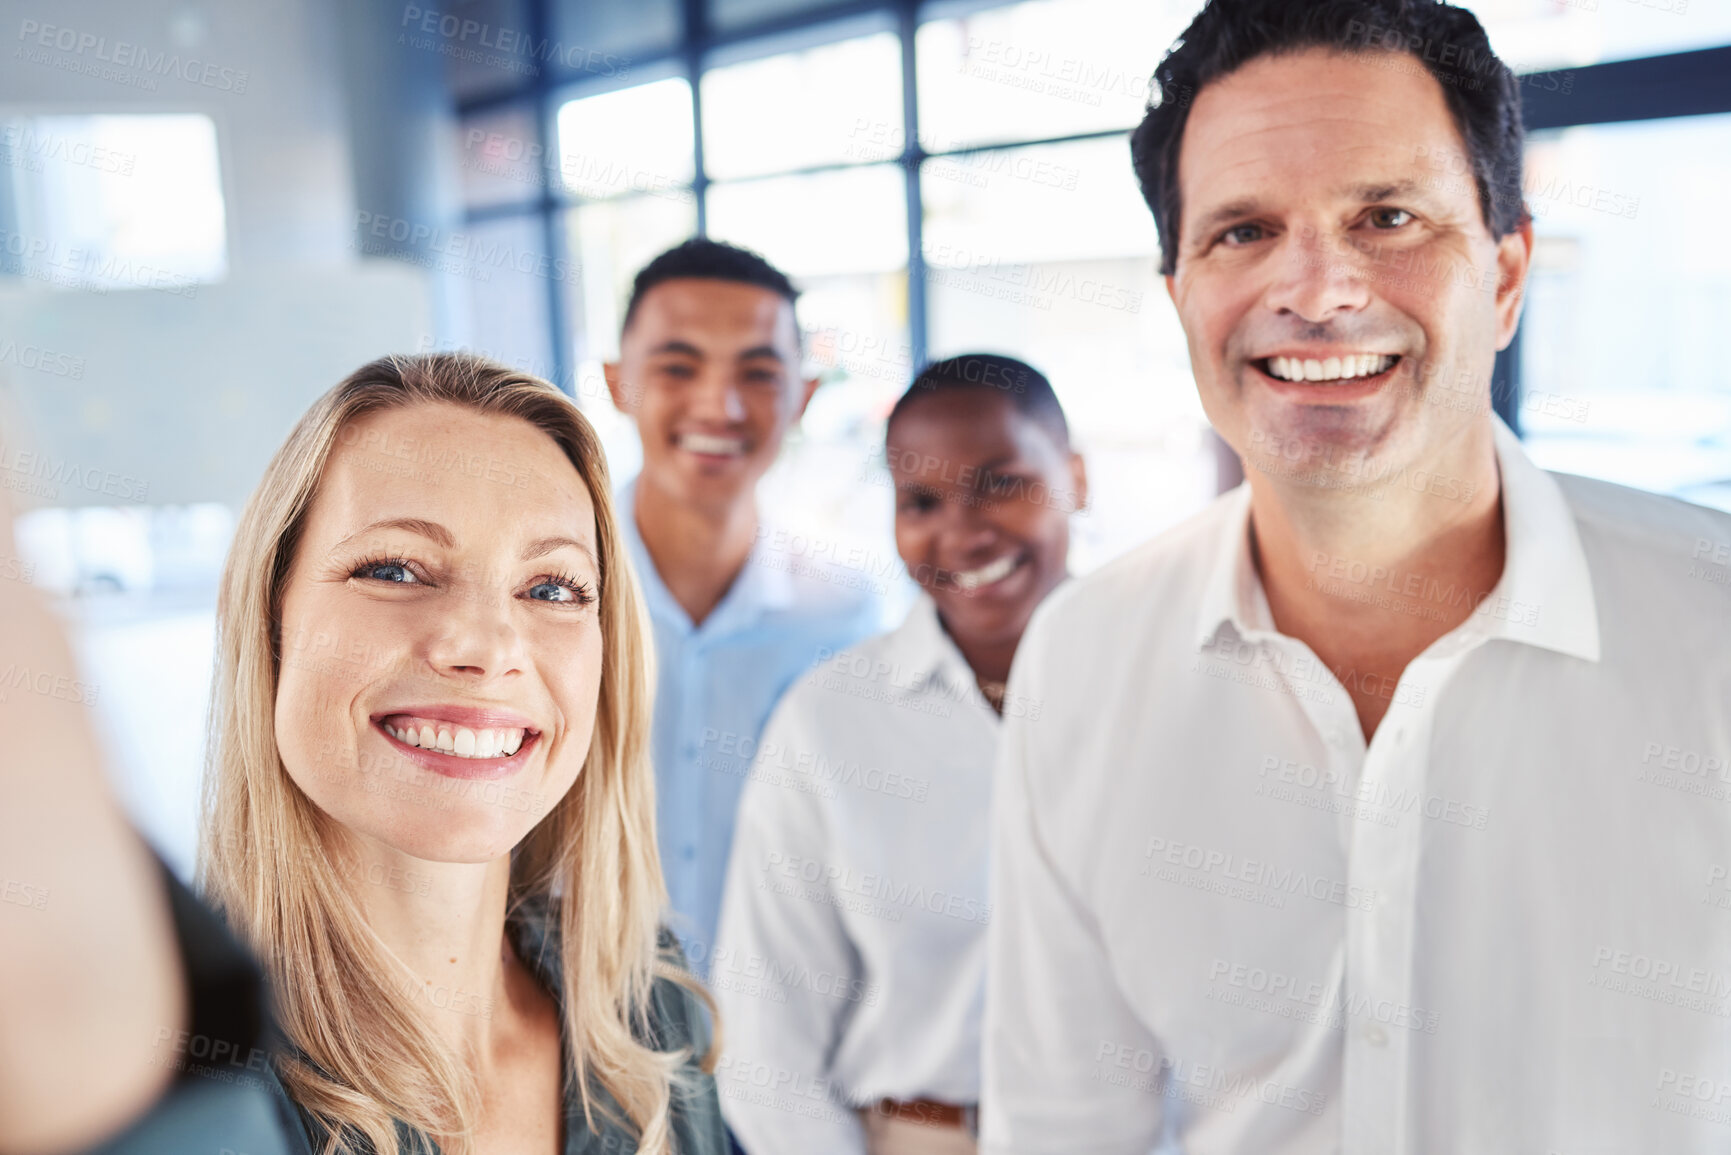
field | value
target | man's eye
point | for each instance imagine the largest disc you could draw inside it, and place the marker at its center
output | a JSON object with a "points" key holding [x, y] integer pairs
{"points": [[396, 572], [1242, 234], [1389, 218]]}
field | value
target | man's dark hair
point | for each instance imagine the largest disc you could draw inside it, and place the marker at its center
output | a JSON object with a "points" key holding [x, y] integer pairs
{"points": [[1482, 93], [709, 260], [1025, 386]]}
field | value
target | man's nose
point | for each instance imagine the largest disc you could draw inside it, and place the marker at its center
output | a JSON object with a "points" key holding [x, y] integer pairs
{"points": [[716, 397], [1319, 276]]}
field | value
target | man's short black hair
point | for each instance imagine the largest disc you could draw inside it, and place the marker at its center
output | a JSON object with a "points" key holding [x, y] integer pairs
{"points": [[1482, 93], [709, 260], [1025, 386]]}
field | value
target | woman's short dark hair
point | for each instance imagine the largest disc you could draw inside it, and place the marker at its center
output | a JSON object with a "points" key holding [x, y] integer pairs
{"points": [[1024, 386], [1482, 93]]}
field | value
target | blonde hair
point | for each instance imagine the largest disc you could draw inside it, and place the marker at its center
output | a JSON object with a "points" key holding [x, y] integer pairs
{"points": [[361, 1054]]}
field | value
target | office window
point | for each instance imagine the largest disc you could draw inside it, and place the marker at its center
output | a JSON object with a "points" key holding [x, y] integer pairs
{"points": [[608, 242], [1037, 70], [116, 202], [628, 158], [501, 159], [1078, 298], [506, 267], [634, 140], [488, 46], [610, 40], [1026, 234], [1530, 35], [836, 104], [1622, 374]]}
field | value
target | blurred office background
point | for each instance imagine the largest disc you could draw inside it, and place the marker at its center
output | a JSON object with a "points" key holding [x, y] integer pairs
{"points": [[211, 212]]}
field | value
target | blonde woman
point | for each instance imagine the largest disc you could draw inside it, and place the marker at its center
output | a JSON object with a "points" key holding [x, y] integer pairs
{"points": [[429, 802]]}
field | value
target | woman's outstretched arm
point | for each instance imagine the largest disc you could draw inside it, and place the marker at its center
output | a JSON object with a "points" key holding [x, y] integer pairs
{"points": [[90, 977]]}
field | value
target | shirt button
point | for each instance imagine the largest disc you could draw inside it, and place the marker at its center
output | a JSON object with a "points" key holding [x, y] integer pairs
{"points": [[1375, 1035], [689, 853]]}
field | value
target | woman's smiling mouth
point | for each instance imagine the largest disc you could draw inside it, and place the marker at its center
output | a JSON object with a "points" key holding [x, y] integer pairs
{"points": [[488, 746]]}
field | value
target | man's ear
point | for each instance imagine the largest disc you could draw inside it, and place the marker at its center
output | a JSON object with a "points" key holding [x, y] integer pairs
{"points": [[1514, 260], [806, 389], [624, 395]]}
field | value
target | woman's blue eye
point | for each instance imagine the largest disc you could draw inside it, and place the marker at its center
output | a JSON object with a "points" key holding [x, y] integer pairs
{"points": [[551, 592], [387, 571]]}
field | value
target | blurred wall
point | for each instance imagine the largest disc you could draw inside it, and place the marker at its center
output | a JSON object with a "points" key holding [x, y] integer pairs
{"points": [[183, 395]]}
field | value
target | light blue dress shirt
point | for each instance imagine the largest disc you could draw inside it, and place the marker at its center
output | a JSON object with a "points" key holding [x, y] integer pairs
{"points": [[715, 686]]}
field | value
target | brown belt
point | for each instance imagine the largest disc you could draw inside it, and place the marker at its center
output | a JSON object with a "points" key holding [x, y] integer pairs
{"points": [[928, 1112]]}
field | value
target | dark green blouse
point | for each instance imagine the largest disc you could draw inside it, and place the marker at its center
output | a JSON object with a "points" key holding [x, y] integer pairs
{"points": [[676, 1020], [227, 1095]]}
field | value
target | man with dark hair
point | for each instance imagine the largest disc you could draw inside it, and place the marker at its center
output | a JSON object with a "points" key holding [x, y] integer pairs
{"points": [[709, 370], [1375, 809]]}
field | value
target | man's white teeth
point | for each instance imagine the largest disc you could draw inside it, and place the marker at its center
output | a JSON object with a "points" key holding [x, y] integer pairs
{"points": [[987, 574], [459, 741], [1331, 369], [707, 443]]}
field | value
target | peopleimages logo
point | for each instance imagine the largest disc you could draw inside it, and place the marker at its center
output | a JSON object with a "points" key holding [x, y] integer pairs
{"points": [[93, 51]]}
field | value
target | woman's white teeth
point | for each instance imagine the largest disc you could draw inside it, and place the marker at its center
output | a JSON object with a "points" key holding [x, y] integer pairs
{"points": [[706, 443], [1330, 369], [973, 579], [459, 741]]}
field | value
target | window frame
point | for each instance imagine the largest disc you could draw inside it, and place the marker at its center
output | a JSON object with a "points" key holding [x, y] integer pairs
{"points": [[1643, 88]]}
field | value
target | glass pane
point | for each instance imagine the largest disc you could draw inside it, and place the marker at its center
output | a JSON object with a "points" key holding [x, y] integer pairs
{"points": [[610, 241], [842, 236], [500, 157], [842, 221], [633, 140], [829, 105], [739, 13], [118, 202], [1079, 299], [1042, 69], [1544, 34], [591, 31], [508, 270], [1622, 377], [486, 44]]}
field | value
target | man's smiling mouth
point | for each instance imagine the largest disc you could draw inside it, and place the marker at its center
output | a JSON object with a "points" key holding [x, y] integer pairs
{"points": [[1351, 367]]}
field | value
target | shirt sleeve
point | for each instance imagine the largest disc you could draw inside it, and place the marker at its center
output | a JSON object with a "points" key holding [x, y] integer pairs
{"points": [[1055, 1020], [781, 954]]}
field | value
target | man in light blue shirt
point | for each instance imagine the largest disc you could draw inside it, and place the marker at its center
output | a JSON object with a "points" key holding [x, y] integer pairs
{"points": [[709, 369]]}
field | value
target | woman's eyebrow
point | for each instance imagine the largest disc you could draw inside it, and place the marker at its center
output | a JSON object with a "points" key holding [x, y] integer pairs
{"points": [[547, 545], [419, 525]]}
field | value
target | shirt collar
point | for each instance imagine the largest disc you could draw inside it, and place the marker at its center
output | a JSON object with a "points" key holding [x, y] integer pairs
{"points": [[763, 583], [925, 652], [1545, 596]]}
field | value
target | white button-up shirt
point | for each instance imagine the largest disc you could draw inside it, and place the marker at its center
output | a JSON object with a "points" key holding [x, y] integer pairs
{"points": [[851, 958], [1223, 924]]}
